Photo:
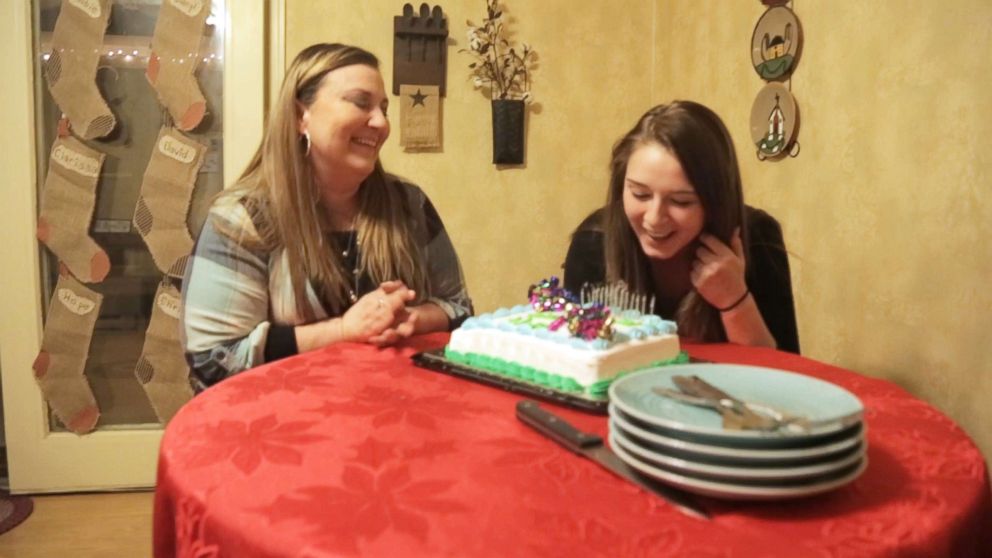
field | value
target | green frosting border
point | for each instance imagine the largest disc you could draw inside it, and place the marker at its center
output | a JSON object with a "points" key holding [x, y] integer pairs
{"points": [[544, 378]]}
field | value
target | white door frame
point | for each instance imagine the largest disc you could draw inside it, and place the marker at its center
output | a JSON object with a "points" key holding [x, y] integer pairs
{"points": [[107, 459]]}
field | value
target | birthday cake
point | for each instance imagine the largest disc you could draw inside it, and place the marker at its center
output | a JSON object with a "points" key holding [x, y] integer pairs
{"points": [[561, 342]]}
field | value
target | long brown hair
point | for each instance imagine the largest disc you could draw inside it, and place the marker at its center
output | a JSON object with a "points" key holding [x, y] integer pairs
{"points": [[697, 137], [280, 194]]}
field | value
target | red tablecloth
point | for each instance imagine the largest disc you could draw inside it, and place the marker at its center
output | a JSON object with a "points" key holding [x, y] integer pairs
{"points": [[353, 451]]}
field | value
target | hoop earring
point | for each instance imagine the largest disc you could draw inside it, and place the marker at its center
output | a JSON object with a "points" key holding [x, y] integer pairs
{"points": [[306, 136]]}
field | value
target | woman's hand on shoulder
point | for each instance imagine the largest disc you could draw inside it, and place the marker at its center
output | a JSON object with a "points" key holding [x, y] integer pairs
{"points": [[381, 317], [718, 270]]}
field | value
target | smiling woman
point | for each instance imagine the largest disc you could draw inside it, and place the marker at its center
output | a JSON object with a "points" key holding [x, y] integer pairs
{"points": [[315, 244], [675, 226], [660, 202], [345, 124]]}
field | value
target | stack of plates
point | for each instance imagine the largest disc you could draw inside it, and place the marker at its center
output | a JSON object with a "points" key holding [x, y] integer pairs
{"points": [[687, 446]]}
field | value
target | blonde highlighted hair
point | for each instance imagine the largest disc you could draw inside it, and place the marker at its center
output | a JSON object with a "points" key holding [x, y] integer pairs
{"points": [[279, 192]]}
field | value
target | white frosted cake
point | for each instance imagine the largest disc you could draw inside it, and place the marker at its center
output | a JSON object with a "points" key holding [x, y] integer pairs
{"points": [[529, 342]]}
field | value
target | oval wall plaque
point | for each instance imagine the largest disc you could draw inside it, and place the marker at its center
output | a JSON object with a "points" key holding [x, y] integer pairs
{"points": [[774, 122], [776, 43]]}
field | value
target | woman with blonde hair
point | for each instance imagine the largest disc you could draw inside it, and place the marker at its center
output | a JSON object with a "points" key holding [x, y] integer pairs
{"points": [[675, 228], [315, 244]]}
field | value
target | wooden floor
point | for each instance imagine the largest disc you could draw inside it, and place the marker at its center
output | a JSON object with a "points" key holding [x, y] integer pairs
{"points": [[105, 525]]}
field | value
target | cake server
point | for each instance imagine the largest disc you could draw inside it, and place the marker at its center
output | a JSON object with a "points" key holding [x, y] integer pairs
{"points": [[592, 447], [736, 413], [782, 421]]}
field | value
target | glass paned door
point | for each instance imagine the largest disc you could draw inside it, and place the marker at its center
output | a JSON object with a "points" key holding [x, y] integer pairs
{"points": [[129, 288], [45, 452]]}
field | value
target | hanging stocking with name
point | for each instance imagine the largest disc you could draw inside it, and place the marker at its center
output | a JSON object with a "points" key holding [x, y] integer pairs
{"points": [[174, 57], [67, 204], [60, 365], [163, 203], [71, 67], [162, 368]]}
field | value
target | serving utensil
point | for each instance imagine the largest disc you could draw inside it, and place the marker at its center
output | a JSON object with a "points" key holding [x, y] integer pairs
{"points": [[737, 414]]}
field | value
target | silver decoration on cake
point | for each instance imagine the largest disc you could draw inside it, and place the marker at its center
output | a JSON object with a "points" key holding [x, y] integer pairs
{"points": [[617, 296]]}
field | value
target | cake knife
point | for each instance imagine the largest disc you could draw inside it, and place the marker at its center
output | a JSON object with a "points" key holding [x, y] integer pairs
{"points": [[592, 447]]}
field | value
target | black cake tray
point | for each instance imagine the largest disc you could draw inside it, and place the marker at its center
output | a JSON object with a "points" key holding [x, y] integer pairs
{"points": [[435, 360]]}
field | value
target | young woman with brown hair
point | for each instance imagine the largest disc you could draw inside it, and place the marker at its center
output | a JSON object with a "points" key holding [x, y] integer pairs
{"points": [[675, 227]]}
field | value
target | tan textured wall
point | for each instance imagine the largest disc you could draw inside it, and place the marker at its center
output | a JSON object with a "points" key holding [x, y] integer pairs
{"points": [[888, 208], [511, 226]]}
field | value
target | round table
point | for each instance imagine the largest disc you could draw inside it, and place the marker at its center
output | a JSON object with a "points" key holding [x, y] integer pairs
{"points": [[354, 451]]}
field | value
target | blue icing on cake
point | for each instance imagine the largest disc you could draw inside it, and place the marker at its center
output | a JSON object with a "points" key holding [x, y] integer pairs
{"points": [[517, 342], [524, 320]]}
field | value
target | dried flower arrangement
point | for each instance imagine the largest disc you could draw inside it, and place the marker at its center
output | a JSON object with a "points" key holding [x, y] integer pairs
{"points": [[500, 70]]}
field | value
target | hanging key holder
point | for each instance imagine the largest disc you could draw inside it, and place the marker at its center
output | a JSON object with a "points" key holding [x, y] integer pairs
{"points": [[420, 48]]}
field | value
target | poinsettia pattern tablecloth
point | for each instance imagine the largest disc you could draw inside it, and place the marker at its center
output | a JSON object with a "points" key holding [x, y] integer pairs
{"points": [[354, 451]]}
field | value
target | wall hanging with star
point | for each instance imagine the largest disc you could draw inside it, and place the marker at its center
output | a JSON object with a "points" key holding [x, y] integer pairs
{"points": [[420, 60], [775, 48]]}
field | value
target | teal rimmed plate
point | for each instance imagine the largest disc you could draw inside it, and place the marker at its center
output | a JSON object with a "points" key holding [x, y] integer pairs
{"points": [[830, 408], [744, 489], [722, 471], [652, 439]]}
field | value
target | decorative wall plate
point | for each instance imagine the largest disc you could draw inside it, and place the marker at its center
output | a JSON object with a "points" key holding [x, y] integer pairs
{"points": [[774, 122], [776, 44]]}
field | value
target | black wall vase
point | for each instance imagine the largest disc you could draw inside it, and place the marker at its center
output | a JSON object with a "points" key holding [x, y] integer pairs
{"points": [[508, 131]]}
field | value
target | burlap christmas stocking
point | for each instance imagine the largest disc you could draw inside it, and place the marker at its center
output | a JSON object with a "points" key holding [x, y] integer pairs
{"points": [[162, 369], [175, 53], [67, 209], [420, 117], [71, 69], [164, 199], [60, 364]]}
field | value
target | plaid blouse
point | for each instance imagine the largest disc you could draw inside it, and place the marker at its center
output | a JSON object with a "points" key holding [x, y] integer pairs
{"points": [[238, 304]]}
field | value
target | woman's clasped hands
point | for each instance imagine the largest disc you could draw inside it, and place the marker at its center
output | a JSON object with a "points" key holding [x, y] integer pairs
{"points": [[381, 317]]}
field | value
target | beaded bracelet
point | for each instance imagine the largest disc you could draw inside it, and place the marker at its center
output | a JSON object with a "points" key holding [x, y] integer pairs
{"points": [[747, 291]]}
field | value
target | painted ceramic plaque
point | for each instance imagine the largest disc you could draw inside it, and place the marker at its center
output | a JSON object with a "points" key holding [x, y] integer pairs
{"points": [[776, 43], [774, 121]]}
